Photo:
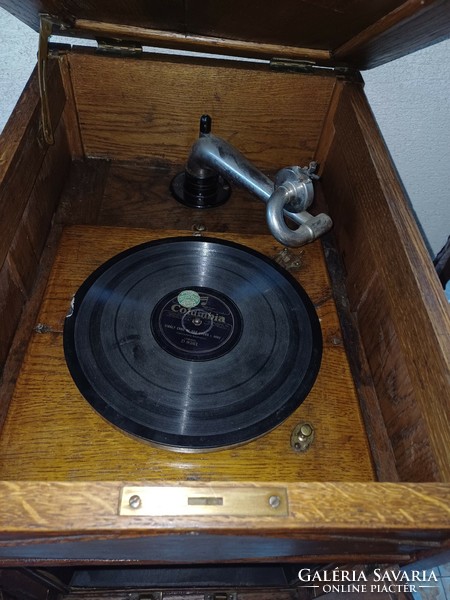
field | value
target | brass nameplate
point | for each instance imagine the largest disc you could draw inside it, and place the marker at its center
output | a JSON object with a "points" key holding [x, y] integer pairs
{"points": [[171, 501]]}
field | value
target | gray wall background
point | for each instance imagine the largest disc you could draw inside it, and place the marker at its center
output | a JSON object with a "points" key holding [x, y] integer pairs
{"points": [[410, 98]]}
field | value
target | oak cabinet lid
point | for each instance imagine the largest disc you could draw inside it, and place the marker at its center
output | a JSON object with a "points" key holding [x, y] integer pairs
{"points": [[358, 33]]}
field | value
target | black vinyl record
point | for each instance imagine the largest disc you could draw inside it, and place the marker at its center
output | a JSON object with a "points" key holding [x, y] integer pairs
{"points": [[193, 344]]}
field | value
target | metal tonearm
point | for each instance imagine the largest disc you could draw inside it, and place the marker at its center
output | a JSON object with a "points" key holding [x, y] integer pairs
{"points": [[213, 162]]}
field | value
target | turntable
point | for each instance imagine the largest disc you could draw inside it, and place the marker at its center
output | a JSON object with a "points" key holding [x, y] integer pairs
{"points": [[193, 343]]}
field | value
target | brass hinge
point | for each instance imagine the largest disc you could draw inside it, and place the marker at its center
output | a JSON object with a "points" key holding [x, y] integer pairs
{"points": [[118, 47], [287, 65]]}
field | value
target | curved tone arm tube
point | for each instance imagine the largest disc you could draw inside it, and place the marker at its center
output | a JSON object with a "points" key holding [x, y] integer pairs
{"points": [[293, 188], [310, 227], [220, 156]]}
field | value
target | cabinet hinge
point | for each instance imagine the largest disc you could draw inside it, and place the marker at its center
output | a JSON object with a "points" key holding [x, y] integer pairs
{"points": [[118, 47], [287, 65]]}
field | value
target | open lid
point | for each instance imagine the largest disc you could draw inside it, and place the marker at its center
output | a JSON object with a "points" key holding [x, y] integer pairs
{"points": [[356, 33]]}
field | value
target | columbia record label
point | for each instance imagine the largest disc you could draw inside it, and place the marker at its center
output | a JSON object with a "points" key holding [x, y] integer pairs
{"points": [[200, 331], [193, 344]]}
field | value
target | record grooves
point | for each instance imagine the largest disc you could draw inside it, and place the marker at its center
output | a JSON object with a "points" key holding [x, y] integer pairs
{"points": [[193, 344]]}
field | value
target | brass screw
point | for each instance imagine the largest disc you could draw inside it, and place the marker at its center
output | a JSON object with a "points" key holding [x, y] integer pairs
{"points": [[135, 501], [274, 501]]}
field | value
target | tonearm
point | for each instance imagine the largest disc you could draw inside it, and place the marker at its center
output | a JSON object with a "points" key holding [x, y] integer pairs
{"points": [[213, 162]]}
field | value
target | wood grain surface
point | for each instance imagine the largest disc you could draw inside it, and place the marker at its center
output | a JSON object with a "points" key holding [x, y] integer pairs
{"points": [[73, 443], [380, 443], [334, 21], [70, 114], [359, 33], [215, 44], [112, 193], [380, 516], [147, 108], [31, 178], [23, 152], [377, 435], [402, 313], [12, 299], [414, 25], [137, 195]]}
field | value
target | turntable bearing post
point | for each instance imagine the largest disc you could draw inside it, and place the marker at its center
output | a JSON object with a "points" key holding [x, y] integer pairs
{"points": [[213, 163]]}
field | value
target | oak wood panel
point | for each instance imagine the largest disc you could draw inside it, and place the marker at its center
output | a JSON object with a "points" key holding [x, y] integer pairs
{"points": [[403, 418], [327, 134], [25, 264], [31, 179], [70, 114], [195, 42], [264, 22], [380, 444], [85, 554], [23, 258], [363, 515], [151, 108], [293, 22], [81, 201], [415, 24], [74, 443], [11, 302], [27, 322], [294, 29], [23, 152], [138, 195], [44, 198], [401, 309], [360, 33]]}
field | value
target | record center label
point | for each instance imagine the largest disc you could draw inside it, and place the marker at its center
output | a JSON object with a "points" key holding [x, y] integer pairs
{"points": [[196, 324]]}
